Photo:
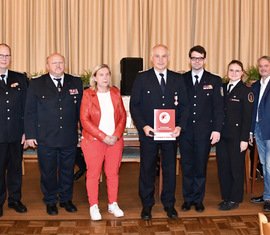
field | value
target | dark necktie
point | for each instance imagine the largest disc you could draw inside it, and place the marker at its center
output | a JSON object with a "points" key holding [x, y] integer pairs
{"points": [[196, 81], [59, 85], [3, 79], [162, 82], [230, 88]]}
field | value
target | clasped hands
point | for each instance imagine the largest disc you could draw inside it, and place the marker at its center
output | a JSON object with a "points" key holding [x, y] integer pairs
{"points": [[110, 140]]}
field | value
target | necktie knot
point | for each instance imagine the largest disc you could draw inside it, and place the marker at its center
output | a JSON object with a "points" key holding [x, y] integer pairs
{"points": [[59, 84], [196, 84], [196, 79], [230, 88], [162, 82], [3, 79]]}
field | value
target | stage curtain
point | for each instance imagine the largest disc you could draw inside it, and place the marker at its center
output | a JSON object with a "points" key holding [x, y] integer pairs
{"points": [[90, 32]]}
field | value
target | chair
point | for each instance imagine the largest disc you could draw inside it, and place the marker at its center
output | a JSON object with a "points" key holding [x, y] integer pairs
{"points": [[264, 224]]}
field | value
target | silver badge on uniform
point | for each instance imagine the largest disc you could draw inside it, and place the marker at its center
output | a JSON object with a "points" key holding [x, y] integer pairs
{"points": [[221, 91], [175, 100]]}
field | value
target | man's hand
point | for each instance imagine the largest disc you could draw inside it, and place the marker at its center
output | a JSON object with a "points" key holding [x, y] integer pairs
{"points": [[176, 132], [32, 143], [243, 146], [215, 137], [148, 131]]}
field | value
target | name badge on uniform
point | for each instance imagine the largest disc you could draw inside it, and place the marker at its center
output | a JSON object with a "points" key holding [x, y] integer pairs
{"points": [[73, 91], [235, 100], [207, 87]]}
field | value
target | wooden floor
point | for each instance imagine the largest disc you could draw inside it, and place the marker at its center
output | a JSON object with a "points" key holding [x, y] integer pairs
{"points": [[212, 221], [231, 225]]}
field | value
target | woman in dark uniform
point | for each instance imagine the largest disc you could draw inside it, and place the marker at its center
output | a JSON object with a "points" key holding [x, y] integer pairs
{"points": [[234, 137]]}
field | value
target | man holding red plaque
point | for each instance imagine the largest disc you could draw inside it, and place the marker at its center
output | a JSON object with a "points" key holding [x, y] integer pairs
{"points": [[158, 89]]}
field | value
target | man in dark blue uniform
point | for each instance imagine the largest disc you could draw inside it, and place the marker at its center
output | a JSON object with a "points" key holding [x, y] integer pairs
{"points": [[157, 88], [51, 121], [13, 87], [206, 115]]}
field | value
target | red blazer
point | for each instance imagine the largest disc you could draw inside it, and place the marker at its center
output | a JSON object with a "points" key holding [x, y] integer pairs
{"points": [[90, 114]]}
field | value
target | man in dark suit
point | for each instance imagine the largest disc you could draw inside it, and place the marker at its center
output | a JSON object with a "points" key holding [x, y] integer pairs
{"points": [[13, 87], [260, 126], [206, 115], [51, 121], [157, 88]]}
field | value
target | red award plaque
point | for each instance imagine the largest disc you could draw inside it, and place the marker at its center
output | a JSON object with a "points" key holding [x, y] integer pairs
{"points": [[164, 124]]}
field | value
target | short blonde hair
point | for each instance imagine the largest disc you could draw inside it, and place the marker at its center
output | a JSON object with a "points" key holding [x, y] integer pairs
{"points": [[160, 45], [93, 83]]}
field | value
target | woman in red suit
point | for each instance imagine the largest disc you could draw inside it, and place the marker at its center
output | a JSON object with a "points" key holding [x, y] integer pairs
{"points": [[103, 118]]}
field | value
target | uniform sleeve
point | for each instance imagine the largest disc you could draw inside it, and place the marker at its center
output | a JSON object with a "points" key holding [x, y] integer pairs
{"points": [[135, 103], [183, 104], [24, 84], [30, 113], [80, 90], [218, 104], [247, 107]]}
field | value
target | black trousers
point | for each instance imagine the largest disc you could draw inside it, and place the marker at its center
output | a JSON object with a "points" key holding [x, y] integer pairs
{"points": [[56, 170], [149, 157], [10, 171], [231, 169], [79, 160], [194, 158]]}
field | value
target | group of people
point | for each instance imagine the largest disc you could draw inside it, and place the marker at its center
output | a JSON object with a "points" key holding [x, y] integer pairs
{"points": [[44, 113], [208, 112]]}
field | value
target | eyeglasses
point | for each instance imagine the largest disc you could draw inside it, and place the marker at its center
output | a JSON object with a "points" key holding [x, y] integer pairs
{"points": [[2, 56], [197, 59]]}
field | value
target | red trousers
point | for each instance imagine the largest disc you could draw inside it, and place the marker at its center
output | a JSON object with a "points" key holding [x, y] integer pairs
{"points": [[95, 154]]}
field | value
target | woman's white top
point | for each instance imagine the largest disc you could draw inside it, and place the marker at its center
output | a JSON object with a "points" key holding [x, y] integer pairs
{"points": [[106, 124]]}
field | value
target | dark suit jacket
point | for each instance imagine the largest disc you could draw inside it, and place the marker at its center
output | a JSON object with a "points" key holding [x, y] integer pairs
{"points": [[52, 117], [206, 109], [238, 112], [263, 110], [12, 101], [147, 95]]}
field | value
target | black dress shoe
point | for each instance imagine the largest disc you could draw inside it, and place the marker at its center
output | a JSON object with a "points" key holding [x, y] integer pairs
{"points": [[52, 209], [17, 206], [199, 207], [222, 203], [69, 206], [1, 211], [171, 212], [266, 206], [78, 174], [186, 206], [257, 199], [226, 206], [146, 213]]}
